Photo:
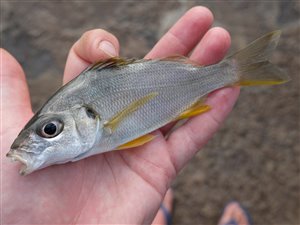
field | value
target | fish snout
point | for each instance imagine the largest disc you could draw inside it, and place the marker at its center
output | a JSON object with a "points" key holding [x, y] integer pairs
{"points": [[16, 144], [23, 157]]}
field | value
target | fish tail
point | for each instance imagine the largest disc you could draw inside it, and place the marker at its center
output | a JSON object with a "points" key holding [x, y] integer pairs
{"points": [[253, 65]]}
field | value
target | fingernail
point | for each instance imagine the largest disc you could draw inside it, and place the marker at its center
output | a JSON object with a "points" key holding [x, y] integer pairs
{"points": [[108, 48]]}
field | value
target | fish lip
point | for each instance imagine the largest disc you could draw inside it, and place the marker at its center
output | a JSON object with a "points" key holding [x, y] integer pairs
{"points": [[16, 157]]}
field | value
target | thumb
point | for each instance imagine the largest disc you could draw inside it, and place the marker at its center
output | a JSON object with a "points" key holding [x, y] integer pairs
{"points": [[93, 46], [15, 100]]}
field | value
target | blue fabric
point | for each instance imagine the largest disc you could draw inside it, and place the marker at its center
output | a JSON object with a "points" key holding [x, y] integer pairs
{"points": [[246, 213], [168, 216], [231, 222]]}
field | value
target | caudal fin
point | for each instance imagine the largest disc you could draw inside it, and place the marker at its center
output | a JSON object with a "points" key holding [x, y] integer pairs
{"points": [[252, 63]]}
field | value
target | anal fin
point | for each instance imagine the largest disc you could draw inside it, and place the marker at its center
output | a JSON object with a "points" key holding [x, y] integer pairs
{"points": [[195, 110], [137, 142]]}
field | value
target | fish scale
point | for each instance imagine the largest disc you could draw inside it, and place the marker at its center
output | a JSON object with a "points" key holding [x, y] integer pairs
{"points": [[162, 109]]}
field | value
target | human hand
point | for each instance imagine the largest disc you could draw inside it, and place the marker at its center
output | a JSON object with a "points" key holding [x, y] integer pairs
{"points": [[121, 186]]}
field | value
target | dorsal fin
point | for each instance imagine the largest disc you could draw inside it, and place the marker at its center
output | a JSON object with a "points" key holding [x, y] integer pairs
{"points": [[181, 59], [117, 62], [111, 62]]}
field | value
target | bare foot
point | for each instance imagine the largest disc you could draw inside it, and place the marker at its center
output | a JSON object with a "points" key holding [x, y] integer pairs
{"points": [[160, 217], [234, 214]]}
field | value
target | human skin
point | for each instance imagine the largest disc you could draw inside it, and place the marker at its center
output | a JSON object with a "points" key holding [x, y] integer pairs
{"points": [[121, 186]]}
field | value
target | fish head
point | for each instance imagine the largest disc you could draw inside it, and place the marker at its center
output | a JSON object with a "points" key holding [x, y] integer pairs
{"points": [[55, 138]]}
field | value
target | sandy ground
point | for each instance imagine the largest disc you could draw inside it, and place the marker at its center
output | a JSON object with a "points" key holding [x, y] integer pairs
{"points": [[254, 158]]}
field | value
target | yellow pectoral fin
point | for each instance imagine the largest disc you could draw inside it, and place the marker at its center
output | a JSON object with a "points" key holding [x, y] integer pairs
{"points": [[127, 111], [193, 111], [137, 142]]}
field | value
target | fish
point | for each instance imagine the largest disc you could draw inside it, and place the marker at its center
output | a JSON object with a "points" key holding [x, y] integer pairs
{"points": [[115, 104]]}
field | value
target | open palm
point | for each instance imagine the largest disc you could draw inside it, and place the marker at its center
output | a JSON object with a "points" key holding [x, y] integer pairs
{"points": [[116, 187]]}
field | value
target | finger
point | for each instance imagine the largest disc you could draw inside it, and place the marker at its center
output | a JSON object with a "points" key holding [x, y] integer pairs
{"points": [[15, 100], [184, 35], [213, 47], [210, 50], [188, 139], [94, 45], [182, 38]]}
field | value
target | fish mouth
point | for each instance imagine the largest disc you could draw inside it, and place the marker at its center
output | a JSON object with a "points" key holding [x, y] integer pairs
{"points": [[17, 157]]}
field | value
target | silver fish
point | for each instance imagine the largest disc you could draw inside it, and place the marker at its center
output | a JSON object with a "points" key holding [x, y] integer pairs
{"points": [[115, 104]]}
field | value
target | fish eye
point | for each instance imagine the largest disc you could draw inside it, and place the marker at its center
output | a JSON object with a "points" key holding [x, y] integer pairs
{"points": [[51, 129]]}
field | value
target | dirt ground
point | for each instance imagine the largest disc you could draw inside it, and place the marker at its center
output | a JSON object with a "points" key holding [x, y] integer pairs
{"points": [[254, 158]]}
